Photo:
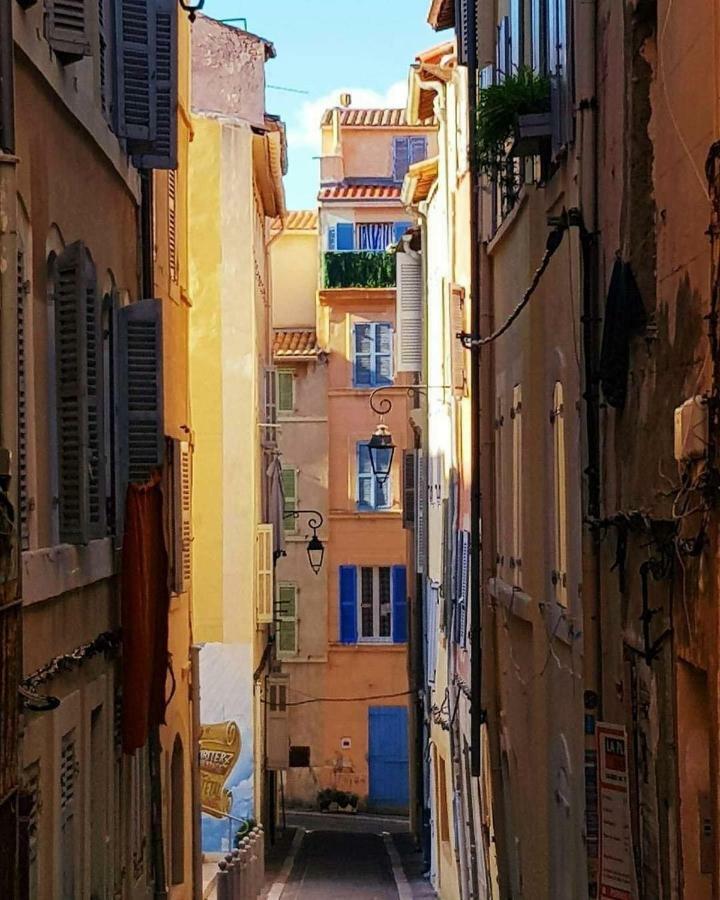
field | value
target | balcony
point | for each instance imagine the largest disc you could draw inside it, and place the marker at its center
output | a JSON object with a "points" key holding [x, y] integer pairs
{"points": [[358, 269]]}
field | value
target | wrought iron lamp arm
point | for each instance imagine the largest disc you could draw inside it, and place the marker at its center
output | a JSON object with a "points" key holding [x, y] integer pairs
{"points": [[315, 517], [383, 405]]}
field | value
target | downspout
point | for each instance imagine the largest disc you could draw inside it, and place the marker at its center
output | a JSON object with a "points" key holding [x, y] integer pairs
{"points": [[477, 714], [7, 89]]}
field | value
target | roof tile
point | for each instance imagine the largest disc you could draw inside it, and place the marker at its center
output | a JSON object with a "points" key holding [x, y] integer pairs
{"points": [[360, 192], [294, 343]]}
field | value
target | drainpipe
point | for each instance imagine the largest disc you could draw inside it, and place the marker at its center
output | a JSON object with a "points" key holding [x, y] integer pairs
{"points": [[7, 102]]}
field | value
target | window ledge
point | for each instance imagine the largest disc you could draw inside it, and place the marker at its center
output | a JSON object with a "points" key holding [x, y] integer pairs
{"points": [[52, 571], [368, 646], [370, 514], [515, 600]]}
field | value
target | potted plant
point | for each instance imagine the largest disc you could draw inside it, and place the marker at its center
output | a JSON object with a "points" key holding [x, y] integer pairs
{"points": [[324, 799], [515, 110]]}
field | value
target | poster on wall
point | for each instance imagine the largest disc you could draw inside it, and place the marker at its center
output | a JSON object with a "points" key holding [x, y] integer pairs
{"points": [[616, 876], [226, 742]]}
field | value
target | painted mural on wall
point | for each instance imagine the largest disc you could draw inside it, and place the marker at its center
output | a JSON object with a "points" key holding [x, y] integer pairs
{"points": [[226, 742]]}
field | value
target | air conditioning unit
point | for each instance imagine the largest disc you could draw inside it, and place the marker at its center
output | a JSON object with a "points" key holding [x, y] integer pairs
{"points": [[692, 429]]}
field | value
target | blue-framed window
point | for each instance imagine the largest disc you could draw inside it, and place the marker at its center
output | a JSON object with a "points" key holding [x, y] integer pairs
{"points": [[371, 493], [406, 151], [372, 354], [373, 604]]}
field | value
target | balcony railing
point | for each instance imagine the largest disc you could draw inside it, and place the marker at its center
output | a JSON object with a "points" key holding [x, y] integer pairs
{"points": [[358, 268]]}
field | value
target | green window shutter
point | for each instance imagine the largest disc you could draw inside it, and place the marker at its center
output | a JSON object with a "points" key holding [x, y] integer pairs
{"points": [[286, 619], [161, 152], [285, 390], [80, 430], [289, 484], [66, 28], [139, 393]]}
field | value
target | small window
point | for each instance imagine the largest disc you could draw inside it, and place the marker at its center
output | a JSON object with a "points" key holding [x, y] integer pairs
{"points": [[299, 757], [285, 390], [372, 354], [406, 151], [375, 606], [372, 493], [286, 619], [289, 483], [375, 236]]}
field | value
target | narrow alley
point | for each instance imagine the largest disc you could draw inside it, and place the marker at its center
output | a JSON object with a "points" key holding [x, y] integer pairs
{"points": [[359, 450]]}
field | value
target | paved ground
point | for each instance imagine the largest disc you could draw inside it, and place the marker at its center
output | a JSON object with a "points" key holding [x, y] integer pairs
{"points": [[331, 857]]}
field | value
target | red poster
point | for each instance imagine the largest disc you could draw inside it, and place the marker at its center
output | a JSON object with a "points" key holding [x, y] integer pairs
{"points": [[617, 878]]}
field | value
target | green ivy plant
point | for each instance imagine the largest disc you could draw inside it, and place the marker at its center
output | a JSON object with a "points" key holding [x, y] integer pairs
{"points": [[361, 268], [499, 107]]}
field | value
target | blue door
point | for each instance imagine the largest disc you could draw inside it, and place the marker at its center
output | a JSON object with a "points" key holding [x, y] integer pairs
{"points": [[388, 758]]}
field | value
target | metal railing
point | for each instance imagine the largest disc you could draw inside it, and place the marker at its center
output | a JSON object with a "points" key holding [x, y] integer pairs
{"points": [[241, 875]]}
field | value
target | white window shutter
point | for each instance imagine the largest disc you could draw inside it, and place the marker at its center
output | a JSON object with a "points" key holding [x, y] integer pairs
{"points": [[182, 514], [264, 574], [459, 353], [409, 313]]}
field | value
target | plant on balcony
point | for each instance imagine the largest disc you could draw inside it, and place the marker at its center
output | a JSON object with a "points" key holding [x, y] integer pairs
{"points": [[501, 109], [331, 800], [360, 268]]}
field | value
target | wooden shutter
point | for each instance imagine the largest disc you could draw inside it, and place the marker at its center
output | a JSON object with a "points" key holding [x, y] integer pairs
{"points": [[287, 643], [345, 236], [462, 27], [459, 353], [270, 401], [557, 418], [421, 497], [139, 404], [22, 466], [399, 604], [399, 229], [500, 492], [517, 487], [348, 605], [285, 390], [66, 28], [80, 428], [264, 597], [331, 239], [161, 153], [401, 157], [515, 26], [410, 332], [103, 57], [462, 562], [68, 813], [417, 149], [409, 501], [289, 485], [135, 84], [172, 224], [504, 62], [182, 515]]}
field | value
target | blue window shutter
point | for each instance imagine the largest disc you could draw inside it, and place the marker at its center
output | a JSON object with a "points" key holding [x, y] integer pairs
{"points": [[383, 363], [401, 157], [418, 149], [348, 605], [161, 153], [399, 229], [345, 236], [331, 239], [135, 83], [399, 605]]}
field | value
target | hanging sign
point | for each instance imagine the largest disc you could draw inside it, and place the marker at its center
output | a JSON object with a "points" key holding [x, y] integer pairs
{"points": [[616, 859]]}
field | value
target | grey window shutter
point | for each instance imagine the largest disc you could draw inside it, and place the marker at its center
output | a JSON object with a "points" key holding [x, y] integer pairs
{"points": [[135, 82], [22, 470], [79, 397], [139, 398], [421, 498], [161, 153], [462, 13], [66, 28], [408, 488]]}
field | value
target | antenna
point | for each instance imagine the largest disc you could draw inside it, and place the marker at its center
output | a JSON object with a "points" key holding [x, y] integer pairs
{"points": [[345, 100]]}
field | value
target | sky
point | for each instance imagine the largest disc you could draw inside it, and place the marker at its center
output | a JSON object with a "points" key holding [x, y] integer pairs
{"points": [[324, 48]]}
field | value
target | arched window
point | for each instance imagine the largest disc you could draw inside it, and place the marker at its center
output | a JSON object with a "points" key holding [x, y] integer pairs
{"points": [[177, 814]]}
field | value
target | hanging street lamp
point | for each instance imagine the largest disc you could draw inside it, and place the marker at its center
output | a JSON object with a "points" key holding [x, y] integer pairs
{"points": [[382, 450], [315, 547], [192, 9]]}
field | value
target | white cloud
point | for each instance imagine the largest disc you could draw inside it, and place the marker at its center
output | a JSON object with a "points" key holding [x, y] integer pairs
{"points": [[304, 131]]}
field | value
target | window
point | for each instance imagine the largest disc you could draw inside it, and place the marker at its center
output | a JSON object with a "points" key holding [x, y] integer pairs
{"points": [[373, 604], [177, 814], [406, 151], [290, 484], [557, 417], [372, 493], [286, 619], [285, 390], [374, 235], [299, 757], [517, 473], [372, 354]]}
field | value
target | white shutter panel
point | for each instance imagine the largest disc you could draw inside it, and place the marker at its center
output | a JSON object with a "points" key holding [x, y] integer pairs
{"points": [[182, 525], [421, 496], [409, 313], [264, 574]]}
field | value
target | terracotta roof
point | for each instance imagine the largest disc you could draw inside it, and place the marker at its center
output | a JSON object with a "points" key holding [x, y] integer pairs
{"points": [[366, 118], [295, 343], [419, 181], [298, 220], [360, 192], [434, 55], [441, 14]]}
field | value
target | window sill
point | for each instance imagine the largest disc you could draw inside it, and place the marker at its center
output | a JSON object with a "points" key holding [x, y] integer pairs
{"points": [[370, 514], [52, 571], [368, 646], [515, 600]]}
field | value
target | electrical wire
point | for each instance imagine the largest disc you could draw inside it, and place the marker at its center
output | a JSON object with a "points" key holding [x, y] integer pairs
{"points": [[553, 242], [345, 699]]}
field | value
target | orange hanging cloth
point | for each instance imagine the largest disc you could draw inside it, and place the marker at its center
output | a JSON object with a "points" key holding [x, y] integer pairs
{"points": [[145, 605]]}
